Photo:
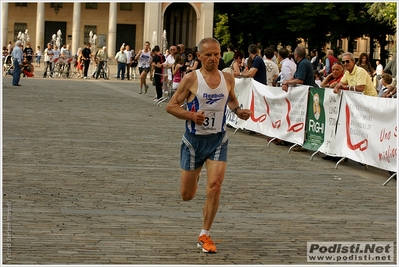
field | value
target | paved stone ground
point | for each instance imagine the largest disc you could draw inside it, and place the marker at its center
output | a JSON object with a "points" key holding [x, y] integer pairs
{"points": [[91, 176]]}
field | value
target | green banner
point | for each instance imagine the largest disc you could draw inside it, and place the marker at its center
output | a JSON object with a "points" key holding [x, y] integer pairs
{"points": [[315, 119]]}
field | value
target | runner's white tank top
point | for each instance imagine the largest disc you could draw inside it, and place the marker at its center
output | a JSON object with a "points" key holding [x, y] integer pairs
{"points": [[213, 102], [144, 59]]}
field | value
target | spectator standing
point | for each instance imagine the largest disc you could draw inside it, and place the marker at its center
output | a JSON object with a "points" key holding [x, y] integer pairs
{"points": [[17, 56], [320, 66], [355, 78], [38, 56], [238, 64], [228, 56], [258, 68], [314, 59], [169, 61], [9, 48], [144, 63], [288, 67], [330, 60], [80, 63], [391, 66], [102, 57], [121, 59], [364, 63], [182, 50], [128, 61], [56, 55], [63, 47], [379, 69], [48, 55], [191, 63], [304, 73], [67, 54], [271, 67], [133, 65], [28, 52], [177, 72], [157, 62], [86, 53]]}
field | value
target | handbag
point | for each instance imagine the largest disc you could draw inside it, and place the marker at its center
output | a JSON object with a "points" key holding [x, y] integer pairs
{"points": [[229, 69]]}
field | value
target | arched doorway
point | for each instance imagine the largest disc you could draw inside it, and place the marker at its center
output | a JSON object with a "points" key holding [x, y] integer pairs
{"points": [[180, 23]]}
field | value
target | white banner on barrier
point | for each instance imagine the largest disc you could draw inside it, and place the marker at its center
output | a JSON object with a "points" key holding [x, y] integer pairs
{"points": [[367, 130], [242, 91], [275, 113], [331, 110]]}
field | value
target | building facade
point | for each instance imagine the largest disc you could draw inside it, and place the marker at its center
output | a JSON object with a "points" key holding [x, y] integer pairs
{"points": [[113, 23]]}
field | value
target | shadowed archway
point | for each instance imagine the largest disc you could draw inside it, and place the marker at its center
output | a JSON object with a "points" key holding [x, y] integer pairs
{"points": [[180, 23]]}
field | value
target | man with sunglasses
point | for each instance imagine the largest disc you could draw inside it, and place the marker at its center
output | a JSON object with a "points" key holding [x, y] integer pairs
{"points": [[355, 78]]}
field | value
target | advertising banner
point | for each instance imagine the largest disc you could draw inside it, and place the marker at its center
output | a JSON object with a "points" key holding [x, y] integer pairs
{"points": [[330, 109], [367, 130], [275, 113]]}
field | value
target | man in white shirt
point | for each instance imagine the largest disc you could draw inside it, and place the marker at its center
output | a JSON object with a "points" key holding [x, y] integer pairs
{"points": [[128, 53], [48, 55], [288, 67], [169, 61], [378, 70]]}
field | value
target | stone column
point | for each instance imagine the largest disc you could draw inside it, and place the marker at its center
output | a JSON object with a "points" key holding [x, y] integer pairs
{"points": [[76, 27], [111, 40], [152, 22], [205, 23], [4, 23], [40, 26]]}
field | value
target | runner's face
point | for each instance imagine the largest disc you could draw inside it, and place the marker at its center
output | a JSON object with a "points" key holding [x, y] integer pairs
{"points": [[210, 56], [146, 46]]}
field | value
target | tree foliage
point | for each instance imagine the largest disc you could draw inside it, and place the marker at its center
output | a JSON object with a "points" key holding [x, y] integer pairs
{"points": [[385, 12], [288, 23]]}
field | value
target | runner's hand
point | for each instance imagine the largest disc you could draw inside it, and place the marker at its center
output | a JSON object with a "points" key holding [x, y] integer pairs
{"points": [[198, 117]]}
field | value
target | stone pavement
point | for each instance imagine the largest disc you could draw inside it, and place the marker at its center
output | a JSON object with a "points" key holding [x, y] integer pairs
{"points": [[91, 176]]}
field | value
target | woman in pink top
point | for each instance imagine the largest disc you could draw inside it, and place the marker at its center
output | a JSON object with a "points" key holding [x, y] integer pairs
{"points": [[176, 71]]}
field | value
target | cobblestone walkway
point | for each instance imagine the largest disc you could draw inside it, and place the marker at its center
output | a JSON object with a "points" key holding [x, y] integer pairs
{"points": [[91, 176]]}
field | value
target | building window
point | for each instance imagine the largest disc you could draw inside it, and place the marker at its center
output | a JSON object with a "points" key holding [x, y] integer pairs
{"points": [[89, 28], [91, 5], [339, 43], [355, 45], [19, 27], [21, 4], [126, 6], [54, 5]]}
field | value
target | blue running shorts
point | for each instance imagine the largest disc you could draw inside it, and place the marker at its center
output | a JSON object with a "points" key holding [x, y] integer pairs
{"points": [[196, 149]]}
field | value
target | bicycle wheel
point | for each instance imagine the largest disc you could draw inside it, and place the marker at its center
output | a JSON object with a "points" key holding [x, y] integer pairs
{"points": [[106, 72], [56, 71]]}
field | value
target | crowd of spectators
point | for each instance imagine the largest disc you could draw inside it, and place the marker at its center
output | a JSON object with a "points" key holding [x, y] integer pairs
{"points": [[268, 66]]}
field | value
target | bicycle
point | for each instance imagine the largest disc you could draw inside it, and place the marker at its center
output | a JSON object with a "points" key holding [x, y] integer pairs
{"points": [[104, 71]]}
